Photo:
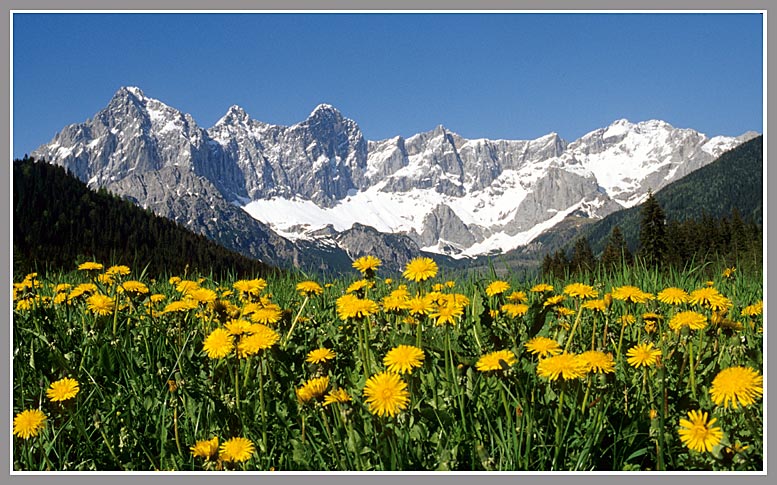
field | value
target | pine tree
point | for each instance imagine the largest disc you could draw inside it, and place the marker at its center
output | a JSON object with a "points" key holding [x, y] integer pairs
{"points": [[652, 232], [560, 264], [582, 256], [616, 253]]}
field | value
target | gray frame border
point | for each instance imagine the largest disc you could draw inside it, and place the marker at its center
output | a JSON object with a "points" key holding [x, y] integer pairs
{"points": [[336, 5]]}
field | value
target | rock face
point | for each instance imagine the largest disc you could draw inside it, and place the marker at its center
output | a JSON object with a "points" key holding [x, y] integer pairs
{"points": [[435, 190], [394, 250], [320, 159]]}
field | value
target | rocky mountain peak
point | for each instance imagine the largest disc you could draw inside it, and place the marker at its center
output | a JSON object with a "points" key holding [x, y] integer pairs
{"points": [[325, 112], [234, 114]]}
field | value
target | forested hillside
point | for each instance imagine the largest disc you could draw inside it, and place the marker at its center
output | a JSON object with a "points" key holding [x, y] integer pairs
{"points": [[58, 222]]}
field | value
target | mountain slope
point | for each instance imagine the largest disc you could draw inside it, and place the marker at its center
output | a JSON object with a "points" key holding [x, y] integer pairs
{"points": [[59, 222], [733, 181]]}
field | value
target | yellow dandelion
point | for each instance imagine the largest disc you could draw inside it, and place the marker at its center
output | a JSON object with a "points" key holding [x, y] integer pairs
{"points": [[420, 269], [627, 319], [320, 355], [63, 389], [207, 449], [562, 312], [447, 314], [395, 302], [312, 389], [541, 288], [28, 423], [118, 270], [360, 285], [644, 354], [553, 300], [543, 346], [182, 306], [704, 296], [100, 304], [753, 310], [692, 320], [518, 297], [515, 310], [105, 279], [237, 326], [595, 305], [498, 360], [134, 288], [497, 288], [250, 288], [184, 287], [598, 362], [203, 295], [697, 433], [565, 366], [261, 338], [386, 394], [63, 287], [267, 315], [631, 294], [218, 344], [579, 290], [309, 288], [673, 296], [403, 358], [367, 265], [82, 289], [736, 386], [236, 449], [729, 272], [351, 306], [420, 305], [336, 396], [90, 266]]}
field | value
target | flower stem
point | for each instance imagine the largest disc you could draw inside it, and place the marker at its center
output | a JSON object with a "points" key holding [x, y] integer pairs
{"points": [[574, 327], [691, 369], [294, 322], [620, 343], [329, 436], [559, 417], [237, 387], [587, 392], [261, 403]]}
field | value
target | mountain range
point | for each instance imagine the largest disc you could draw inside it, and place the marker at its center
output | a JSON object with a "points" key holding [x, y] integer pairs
{"points": [[317, 194]]}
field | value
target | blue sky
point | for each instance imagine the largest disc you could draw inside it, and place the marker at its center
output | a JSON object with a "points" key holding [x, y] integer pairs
{"points": [[512, 76]]}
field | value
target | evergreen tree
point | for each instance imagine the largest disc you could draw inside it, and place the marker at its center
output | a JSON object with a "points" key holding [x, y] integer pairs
{"points": [[652, 233], [547, 265], [582, 256], [616, 253], [560, 264]]}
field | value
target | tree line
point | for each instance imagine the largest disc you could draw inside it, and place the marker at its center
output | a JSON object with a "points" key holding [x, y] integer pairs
{"points": [[664, 244], [58, 223]]}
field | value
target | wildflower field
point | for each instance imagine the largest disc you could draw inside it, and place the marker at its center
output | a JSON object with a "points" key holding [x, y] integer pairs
{"points": [[114, 370]]}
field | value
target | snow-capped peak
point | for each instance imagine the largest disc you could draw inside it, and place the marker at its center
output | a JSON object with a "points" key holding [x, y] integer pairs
{"points": [[135, 91], [234, 114], [324, 108]]}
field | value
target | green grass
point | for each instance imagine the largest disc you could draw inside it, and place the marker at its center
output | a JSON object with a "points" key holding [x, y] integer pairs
{"points": [[126, 417]]}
